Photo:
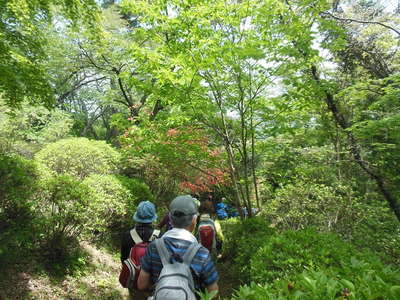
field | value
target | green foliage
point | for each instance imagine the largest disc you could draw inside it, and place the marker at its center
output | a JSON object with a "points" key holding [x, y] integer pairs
{"points": [[306, 204], [362, 280], [73, 261], [27, 130], [163, 185], [241, 240], [61, 208], [18, 178], [206, 295], [110, 203], [291, 252], [374, 112], [378, 230], [138, 189], [305, 265], [78, 157], [22, 55]]}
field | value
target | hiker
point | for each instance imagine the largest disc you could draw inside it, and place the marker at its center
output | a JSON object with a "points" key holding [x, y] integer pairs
{"points": [[221, 210], [165, 222], [209, 230], [177, 262], [133, 245]]}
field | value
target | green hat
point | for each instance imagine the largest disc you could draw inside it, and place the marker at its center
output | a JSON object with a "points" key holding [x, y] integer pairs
{"points": [[182, 209]]}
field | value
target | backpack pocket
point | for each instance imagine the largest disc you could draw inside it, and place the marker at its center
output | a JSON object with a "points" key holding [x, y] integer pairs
{"points": [[128, 274]]}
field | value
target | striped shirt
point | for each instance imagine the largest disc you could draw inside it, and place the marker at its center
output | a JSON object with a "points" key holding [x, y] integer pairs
{"points": [[202, 267]]}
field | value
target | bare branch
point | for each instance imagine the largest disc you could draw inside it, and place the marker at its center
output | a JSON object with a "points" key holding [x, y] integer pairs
{"points": [[77, 86], [360, 21]]}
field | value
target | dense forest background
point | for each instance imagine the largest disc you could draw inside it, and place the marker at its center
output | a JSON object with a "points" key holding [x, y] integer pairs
{"points": [[288, 109]]}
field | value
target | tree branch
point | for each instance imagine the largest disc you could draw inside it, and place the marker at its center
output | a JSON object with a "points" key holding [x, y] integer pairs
{"points": [[360, 21]]}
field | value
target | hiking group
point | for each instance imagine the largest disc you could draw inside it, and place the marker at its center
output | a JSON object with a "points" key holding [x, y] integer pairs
{"points": [[175, 264]]}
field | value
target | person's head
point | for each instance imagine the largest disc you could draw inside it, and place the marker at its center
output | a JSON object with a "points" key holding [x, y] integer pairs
{"points": [[183, 211], [206, 207], [145, 212]]}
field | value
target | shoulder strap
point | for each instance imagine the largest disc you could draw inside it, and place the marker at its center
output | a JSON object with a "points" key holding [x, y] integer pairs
{"points": [[156, 234], [135, 236], [209, 222], [162, 251], [190, 253]]}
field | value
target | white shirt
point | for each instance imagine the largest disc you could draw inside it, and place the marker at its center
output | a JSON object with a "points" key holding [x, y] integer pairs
{"points": [[181, 234]]}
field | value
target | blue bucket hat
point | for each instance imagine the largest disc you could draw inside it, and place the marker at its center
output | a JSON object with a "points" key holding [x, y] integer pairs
{"points": [[145, 213]]}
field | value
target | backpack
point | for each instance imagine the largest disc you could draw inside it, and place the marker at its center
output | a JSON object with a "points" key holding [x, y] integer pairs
{"points": [[221, 213], [175, 280], [207, 232], [169, 223], [221, 205], [131, 266]]}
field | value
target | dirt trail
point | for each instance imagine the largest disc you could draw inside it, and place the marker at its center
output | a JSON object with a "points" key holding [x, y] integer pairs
{"points": [[100, 281], [228, 281]]}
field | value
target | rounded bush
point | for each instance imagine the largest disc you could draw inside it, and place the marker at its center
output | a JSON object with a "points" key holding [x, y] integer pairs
{"points": [[308, 204], [242, 238], [18, 182], [109, 203], [139, 189], [18, 178], [78, 157], [62, 209]]}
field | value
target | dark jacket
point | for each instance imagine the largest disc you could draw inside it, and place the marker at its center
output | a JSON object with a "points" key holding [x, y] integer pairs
{"points": [[145, 232]]}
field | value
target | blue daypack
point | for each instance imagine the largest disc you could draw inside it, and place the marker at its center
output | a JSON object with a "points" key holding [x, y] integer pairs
{"points": [[221, 214]]}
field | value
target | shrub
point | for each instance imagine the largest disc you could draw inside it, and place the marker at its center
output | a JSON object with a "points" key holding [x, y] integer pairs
{"points": [[78, 157], [110, 203], [291, 252], [18, 182], [363, 281], [306, 204], [18, 178], [310, 265], [242, 238], [62, 209], [364, 221], [379, 231], [139, 190], [26, 130]]}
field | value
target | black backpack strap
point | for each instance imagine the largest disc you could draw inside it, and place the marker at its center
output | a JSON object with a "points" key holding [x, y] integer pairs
{"points": [[162, 251], [190, 253]]}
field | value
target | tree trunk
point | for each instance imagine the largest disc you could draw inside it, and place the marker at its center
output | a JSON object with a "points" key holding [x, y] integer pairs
{"points": [[355, 149], [253, 165]]}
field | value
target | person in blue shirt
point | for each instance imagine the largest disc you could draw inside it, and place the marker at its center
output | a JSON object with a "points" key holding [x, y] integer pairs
{"points": [[184, 213]]}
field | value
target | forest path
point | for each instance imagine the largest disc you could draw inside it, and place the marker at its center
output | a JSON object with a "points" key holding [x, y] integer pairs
{"points": [[24, 281], [99, 280], [228, 281]]}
